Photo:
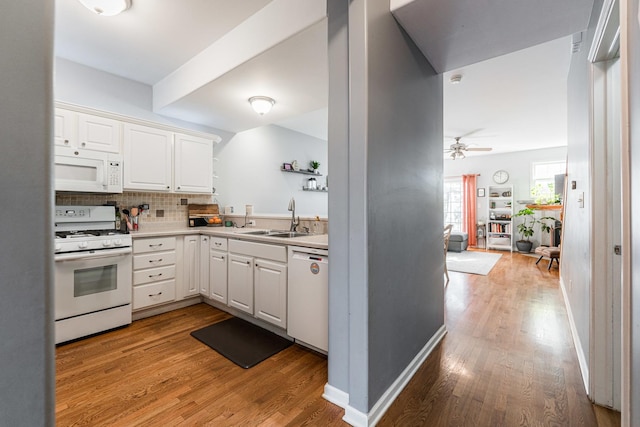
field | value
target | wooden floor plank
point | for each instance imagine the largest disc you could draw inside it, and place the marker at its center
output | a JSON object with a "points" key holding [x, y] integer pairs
{"points": [[507, 360]]}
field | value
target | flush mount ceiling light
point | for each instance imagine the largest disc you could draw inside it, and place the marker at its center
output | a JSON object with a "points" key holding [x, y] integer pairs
{"points": [[261, 104], [106, 7], [455, 79]]}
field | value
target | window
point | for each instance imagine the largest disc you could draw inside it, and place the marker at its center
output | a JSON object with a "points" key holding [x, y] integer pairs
{"points": [[453, 203], [543, 180]]}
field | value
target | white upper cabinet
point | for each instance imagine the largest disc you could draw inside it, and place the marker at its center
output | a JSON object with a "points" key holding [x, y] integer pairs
{"points": [[193, 164], [64, 127], [86, 131], [99, 133], [147, 158]]}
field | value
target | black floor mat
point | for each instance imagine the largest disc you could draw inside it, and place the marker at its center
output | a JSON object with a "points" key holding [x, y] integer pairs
{"points": [[244, 343]]}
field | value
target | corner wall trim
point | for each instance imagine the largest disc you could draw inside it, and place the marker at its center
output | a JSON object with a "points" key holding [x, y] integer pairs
{"points": [[582, 360], [360, 419]]}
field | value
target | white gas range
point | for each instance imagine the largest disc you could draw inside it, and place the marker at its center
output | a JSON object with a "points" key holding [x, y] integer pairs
{"points": [[92, 272]]}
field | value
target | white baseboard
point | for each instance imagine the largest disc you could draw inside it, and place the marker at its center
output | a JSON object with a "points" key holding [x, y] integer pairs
{"points": [[336, 396], [582, 360], [360, 419]]}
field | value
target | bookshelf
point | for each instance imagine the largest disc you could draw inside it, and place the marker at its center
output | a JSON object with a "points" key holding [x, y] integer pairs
{"points": [[499, 223]]}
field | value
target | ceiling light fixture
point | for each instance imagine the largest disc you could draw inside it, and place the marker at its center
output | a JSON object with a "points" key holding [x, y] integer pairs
{"points": [[457, 155], [106, 7], [455, 79], [261, 104]]}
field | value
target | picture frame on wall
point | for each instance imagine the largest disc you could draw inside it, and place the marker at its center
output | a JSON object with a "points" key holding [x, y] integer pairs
{"points": [[480, 192], [287, 167]]}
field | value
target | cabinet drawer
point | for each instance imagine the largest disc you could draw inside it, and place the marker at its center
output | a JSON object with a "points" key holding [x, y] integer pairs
{"points": [[151, 260], [154, 293], [258, 250], [218, 243], [154, 274], [154, 244]]}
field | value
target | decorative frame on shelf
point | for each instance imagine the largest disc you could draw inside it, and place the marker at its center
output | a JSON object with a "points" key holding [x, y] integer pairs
{"points": [[480, 192], [287, 167]]}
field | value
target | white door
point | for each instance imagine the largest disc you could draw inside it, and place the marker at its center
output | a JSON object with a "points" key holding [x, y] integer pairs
{"points": [[99, 133], [270, 288], [147, 158], [193, 164], [240, 285], [218, 276], [204, 266], [605, 369], [190, 265]]}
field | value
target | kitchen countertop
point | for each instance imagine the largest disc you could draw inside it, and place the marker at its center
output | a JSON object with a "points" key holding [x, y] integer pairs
{"points": [[319, 241]]}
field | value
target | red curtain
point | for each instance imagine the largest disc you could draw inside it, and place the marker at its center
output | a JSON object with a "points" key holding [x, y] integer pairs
{"points": [[469, 207]]}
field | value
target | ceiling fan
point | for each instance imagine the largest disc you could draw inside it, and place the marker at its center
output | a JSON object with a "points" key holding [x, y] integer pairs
{"points": [[458, 148]]}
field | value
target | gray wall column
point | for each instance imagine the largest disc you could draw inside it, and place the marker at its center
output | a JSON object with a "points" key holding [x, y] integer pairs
{"points": [[385, 155], [26, 259]]}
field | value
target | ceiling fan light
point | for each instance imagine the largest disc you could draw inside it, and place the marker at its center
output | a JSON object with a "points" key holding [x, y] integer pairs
{"points": [[261, 104], [106, 7]]}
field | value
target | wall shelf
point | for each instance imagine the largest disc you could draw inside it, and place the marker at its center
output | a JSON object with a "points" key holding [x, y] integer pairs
{"points": [[301, 171], [315, 189]]}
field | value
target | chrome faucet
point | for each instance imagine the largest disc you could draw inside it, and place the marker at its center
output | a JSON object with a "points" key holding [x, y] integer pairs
{"points": [[292, 209]]}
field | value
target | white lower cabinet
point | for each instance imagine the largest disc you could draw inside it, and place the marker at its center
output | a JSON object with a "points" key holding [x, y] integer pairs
{"points": [[203, 276], [270, 290], [218, 276], [257, 282], [190, 266], [154, 271], [240, 285]]}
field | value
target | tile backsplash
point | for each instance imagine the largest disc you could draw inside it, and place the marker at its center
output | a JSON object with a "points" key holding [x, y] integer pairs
{"points": [[162, 207]]}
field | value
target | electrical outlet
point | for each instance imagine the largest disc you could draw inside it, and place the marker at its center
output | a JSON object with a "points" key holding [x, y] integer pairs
{"points": [[160, 213], [184, 202]]}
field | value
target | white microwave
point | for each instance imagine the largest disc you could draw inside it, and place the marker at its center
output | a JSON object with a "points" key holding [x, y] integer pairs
{"points": [[87, 171]]}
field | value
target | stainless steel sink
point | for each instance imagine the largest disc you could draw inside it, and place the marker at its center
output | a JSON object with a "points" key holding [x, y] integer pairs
{"points": [[288, 234], [257, 232]]}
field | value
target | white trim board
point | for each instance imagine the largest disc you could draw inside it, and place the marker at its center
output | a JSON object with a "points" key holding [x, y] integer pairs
{"points": [[582, 360], [357, 418]]}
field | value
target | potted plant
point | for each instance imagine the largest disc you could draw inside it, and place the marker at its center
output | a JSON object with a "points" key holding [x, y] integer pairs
{"points": [[525, 229], [314, 166]]}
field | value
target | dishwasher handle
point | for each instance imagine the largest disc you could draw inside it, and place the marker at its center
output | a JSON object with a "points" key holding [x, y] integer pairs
{"points": [[301, 256]]}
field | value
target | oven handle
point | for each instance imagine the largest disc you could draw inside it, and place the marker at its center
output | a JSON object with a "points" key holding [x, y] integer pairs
{"points": [[109, 253]]}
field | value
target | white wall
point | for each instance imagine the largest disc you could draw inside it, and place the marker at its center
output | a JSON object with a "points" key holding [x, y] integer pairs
{"points": [[518, 164], [89, 87], [249, 170]]}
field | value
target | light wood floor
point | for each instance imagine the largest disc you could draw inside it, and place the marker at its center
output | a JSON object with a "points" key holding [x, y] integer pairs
{"points": [[507, 359]]}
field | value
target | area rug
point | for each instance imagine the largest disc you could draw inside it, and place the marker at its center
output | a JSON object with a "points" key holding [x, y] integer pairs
{"points": [[473, 262], [244, 343]]}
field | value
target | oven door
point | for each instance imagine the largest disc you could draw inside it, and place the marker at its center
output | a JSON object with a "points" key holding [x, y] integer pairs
{"points": [[86, 282]]}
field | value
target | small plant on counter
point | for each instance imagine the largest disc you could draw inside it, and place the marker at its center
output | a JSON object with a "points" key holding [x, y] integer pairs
{"points": [[314, 165]]}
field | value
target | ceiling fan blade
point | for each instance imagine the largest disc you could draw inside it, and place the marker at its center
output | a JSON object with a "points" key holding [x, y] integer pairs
{"points": [[479, 149]]}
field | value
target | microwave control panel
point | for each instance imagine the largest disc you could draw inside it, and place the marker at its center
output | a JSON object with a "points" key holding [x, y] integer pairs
{"points": [[115, 174]]}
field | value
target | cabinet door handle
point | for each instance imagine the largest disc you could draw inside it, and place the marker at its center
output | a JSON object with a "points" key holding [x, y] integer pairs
{"points": [[155, 260], [156, 245], [248, 262], [84, 144], [155, 295], [222, 257], [151, 276], [66, 141], [168, 187]]}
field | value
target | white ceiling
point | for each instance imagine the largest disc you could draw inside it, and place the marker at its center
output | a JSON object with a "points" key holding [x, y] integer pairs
{"points": [[513, 102]]}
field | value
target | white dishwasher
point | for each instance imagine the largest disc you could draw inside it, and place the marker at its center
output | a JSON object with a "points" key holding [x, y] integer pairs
{"points": [[308, 296]]}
